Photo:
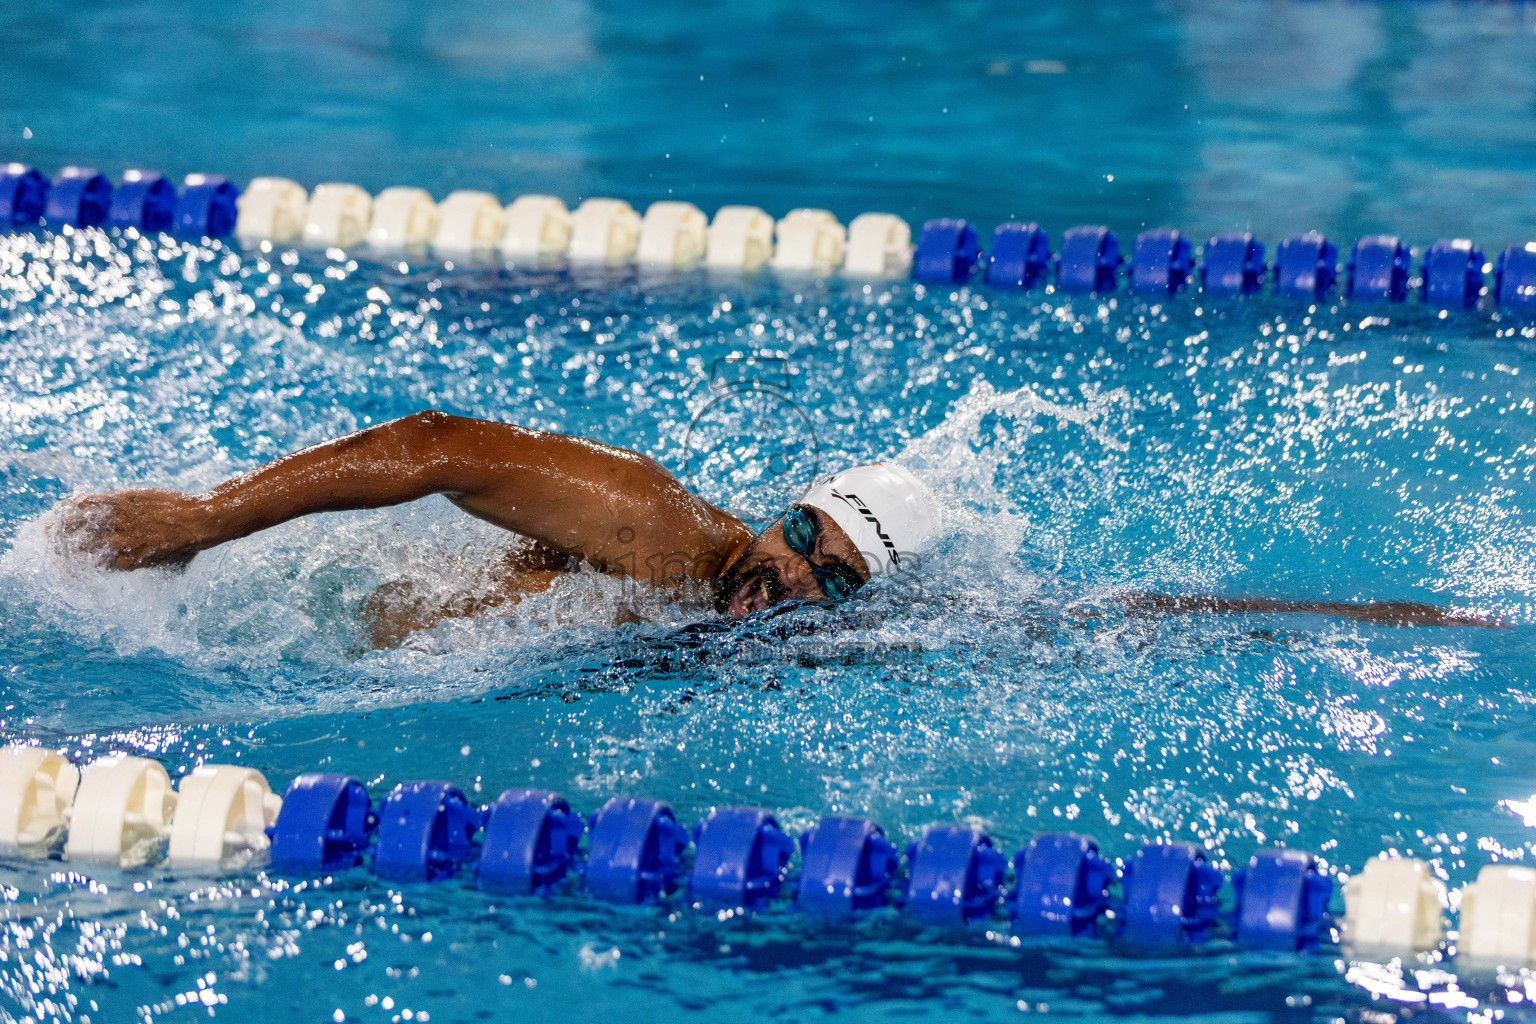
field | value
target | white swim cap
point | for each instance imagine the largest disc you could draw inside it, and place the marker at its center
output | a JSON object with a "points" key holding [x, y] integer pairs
{"points": [[888, 513]]}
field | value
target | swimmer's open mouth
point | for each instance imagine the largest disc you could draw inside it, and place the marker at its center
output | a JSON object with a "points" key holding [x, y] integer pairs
{"points": [[760, 590]]}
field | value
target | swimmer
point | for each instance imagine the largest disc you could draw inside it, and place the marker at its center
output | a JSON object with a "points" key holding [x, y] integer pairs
{"points": [[581, 502]]}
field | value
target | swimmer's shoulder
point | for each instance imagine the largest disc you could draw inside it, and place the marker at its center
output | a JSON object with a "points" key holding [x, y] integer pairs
{"points": [[731, 533], [665, 521], [734, 532]]}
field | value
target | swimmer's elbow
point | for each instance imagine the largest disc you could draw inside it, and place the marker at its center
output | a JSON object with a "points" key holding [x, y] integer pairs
{"points": [[431, 419], [435, 433], [425, 439], [429, 423], [415, 436]]}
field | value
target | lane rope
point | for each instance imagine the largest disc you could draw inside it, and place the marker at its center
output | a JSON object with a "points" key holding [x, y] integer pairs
{"points": [[539, 230], [121, 811]]}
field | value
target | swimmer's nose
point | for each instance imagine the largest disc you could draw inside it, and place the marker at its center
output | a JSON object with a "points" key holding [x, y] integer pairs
{"points": [[796, 576]]}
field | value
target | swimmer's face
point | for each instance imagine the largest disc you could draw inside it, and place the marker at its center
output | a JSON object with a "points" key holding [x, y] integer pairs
{"points": [[773, 570]]}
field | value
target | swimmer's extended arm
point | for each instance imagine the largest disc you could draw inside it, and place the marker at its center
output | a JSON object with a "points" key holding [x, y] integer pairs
{"points": [[617, 509], [1386, 613]]}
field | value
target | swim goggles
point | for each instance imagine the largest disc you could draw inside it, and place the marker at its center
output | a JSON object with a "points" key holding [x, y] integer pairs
{"points": [[837, 581]]}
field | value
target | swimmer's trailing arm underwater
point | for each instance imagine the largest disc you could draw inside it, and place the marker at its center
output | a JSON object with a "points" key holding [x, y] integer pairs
{"points": [[580, 502]]}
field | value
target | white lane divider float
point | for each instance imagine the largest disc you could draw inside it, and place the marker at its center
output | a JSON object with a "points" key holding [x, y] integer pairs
{"points": [[222, 813], [271, 210], [338, 215], [879, 245], [403, 218], [1498, 915], [740, 239], [468, 221], [604, 232], [1394, 903], [601, 231], [672, 234], [37, 787], [536, 228], [809, 242], [121, 813]]}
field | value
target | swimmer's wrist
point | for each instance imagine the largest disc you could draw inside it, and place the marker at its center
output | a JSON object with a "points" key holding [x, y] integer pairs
{"points": [[212, 524]]}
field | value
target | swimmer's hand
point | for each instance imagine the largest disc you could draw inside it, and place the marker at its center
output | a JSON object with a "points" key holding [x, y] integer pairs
{"points": [[133, 529], [1383, 613]]}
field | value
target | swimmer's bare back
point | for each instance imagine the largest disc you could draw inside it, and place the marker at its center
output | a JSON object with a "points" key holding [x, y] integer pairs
{"points": [[579, 500]]}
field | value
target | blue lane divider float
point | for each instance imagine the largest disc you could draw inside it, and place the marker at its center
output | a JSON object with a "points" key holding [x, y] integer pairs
{"points": [[529, 842], [1160, 262], [326, 824], [847, 866], [1232, 264], [955, 875], [145, 200], [947, 252], [80, 197], [1453, 273], [1061, 885], [425, 831], [1170, 894], [1020, 256], [206, 206], [1090, 260], [23, 193], [739, 858], [1306, 266], [635, 851], [1516, 276], [1378, 269], [1282, 900]]}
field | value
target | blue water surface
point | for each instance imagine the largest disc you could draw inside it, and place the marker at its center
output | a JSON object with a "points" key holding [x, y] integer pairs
{"points": [[1082, 447]]}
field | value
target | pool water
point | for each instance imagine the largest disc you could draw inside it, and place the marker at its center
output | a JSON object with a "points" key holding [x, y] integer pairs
{"points": [[1083, 448]]}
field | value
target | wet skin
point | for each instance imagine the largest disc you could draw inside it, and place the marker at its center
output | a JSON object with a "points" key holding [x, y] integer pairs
{"points": [[577, 501]]}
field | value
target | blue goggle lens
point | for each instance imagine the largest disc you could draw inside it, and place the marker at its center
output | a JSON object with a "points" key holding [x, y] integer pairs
{"points": [[799, 532], [838, 582]]}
